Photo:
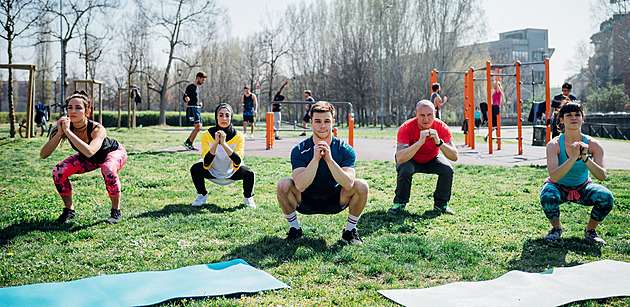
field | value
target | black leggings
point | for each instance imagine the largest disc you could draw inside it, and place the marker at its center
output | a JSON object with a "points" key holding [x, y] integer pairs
{"points": [[198, 173]]}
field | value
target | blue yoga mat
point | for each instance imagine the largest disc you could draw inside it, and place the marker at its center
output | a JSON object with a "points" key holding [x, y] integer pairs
{"points": [[145, 288]]}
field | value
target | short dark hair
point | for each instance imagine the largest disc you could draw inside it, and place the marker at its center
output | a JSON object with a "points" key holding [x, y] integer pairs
{"points": [[202, 74], [571, 106], [246, 87], [567, 85], [323, 107], [308, 92], [435, 87]]}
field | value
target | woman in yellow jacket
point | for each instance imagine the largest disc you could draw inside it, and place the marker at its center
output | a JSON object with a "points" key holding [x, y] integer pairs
{"points": [[222, 158]]}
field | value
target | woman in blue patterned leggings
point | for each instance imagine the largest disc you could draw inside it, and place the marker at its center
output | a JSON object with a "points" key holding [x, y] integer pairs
{"points": [[570, 157]]}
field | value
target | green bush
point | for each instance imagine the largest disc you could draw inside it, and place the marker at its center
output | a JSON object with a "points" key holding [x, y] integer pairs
{"points": [[610, 98]]}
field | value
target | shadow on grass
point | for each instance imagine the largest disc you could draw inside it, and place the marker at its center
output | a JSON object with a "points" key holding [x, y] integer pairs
{"points": [[187, 209], [271, 251], [373, 221], [539, 255], [10, 232]]}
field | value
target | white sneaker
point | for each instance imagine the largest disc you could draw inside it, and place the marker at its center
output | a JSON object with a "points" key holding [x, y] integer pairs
{"points": [[249, 201], [251, 136], [200, 200]]}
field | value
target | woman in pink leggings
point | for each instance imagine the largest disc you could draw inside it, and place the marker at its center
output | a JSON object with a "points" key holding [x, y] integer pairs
{"points": [[95, 150]]}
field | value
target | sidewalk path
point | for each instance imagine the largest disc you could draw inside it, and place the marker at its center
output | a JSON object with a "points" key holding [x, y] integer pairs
{"points": [[616, 152]]}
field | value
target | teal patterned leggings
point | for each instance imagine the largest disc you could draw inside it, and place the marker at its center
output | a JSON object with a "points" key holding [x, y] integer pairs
{"points": [[595, 195]]}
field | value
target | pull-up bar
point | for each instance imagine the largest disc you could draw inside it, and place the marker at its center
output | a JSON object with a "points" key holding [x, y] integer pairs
{"points": [[269, 121]]}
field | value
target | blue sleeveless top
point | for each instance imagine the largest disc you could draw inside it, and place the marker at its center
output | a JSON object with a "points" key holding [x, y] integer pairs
{"points": [[578, 174]]}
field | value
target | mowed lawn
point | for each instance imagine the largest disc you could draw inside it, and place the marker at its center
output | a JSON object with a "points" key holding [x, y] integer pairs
{"points": [[499, 227]]}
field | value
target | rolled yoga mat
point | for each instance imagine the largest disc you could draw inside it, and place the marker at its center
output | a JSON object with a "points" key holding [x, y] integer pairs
{"points": [[145, 288], [558, 286]]}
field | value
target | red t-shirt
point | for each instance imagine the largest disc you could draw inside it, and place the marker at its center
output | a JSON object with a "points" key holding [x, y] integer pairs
{"points": [[409, 133]]}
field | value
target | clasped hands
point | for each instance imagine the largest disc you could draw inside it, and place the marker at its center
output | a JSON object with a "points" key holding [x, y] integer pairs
{"points": [[578, 150], [220, 136], [429, 134], [324, 151]]}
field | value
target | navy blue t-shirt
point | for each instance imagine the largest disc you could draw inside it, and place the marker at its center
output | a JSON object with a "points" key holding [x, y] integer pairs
{"points": [[557, 100], [192, 91], [323, 183]]}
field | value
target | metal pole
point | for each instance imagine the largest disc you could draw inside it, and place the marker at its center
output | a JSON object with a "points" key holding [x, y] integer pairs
{"points": [[63, 58]]}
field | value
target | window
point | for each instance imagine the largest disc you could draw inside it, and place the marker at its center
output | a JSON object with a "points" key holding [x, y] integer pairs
{"points": [[538, 56], [522, 56]]}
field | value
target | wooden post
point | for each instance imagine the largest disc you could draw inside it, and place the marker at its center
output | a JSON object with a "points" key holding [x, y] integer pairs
{"points": [[100, 103], [30, 106]]}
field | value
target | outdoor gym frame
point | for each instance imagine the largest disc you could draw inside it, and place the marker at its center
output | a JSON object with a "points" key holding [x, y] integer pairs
{"points": [[30, 105], [469, 101], [91, 93], [269, 134], [130, 91]]}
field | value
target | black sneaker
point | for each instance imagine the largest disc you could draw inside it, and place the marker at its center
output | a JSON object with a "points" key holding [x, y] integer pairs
{"points": [[445, 210], [351, 237], [66, 215], [278, 138], [115, 216], [396, 208], [554, 234], [592, 236], [303, 133], [294, 234]]}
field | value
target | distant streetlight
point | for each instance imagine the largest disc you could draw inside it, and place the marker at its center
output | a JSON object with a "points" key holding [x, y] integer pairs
{"points": [[380, 56]]}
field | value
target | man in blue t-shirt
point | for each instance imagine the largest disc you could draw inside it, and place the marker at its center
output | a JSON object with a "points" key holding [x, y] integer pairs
{"points": [[323, 179], [249, 103], [193, 110]]}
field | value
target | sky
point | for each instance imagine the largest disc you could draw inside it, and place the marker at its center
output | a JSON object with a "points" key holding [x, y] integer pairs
{"points": [[569, 22], [565, 33]]}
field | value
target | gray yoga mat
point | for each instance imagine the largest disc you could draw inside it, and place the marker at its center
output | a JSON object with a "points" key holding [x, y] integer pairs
{"points": [[145, 288], [558, 286]]}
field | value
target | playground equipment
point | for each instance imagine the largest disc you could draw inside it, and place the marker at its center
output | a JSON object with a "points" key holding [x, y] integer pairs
{"points": [[90, 90], [269, 134], [131, 93], [30, 106], [494, 70]]}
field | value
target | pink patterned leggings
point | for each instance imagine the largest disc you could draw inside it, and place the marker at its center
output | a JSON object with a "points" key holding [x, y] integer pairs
{"points": [[76, 164]]}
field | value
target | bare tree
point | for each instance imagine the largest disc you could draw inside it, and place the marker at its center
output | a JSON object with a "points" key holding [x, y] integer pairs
{"points": [[15, 18], [72, 14], [92, 45], [173, 18]]}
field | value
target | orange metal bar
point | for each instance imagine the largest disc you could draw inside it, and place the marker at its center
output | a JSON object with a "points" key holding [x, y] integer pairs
{"points": [[519, 105], [433, 79], [335, 131], [351, 129], [466, 111], [489, 101], [471, 99], [548, 99], [269, 130]]}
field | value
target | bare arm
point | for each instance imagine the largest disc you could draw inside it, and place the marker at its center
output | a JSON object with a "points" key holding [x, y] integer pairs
{"points": [[52, 144], [596, 164], [556, 172], [255, 104], [450, 151], [303, 176]]}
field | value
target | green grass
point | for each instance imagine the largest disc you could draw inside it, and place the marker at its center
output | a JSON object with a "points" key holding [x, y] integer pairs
{"points": [[499, 227]]}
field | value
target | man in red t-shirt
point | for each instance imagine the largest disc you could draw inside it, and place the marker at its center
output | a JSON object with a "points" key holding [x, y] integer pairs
{"points": [[420, 140]]}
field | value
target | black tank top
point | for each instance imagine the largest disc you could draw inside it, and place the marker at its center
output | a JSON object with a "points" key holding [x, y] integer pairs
{"points": [[108, 145]]}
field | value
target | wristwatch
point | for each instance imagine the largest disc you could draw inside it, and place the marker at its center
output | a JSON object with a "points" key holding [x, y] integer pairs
{"points": [[440, 143]]}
